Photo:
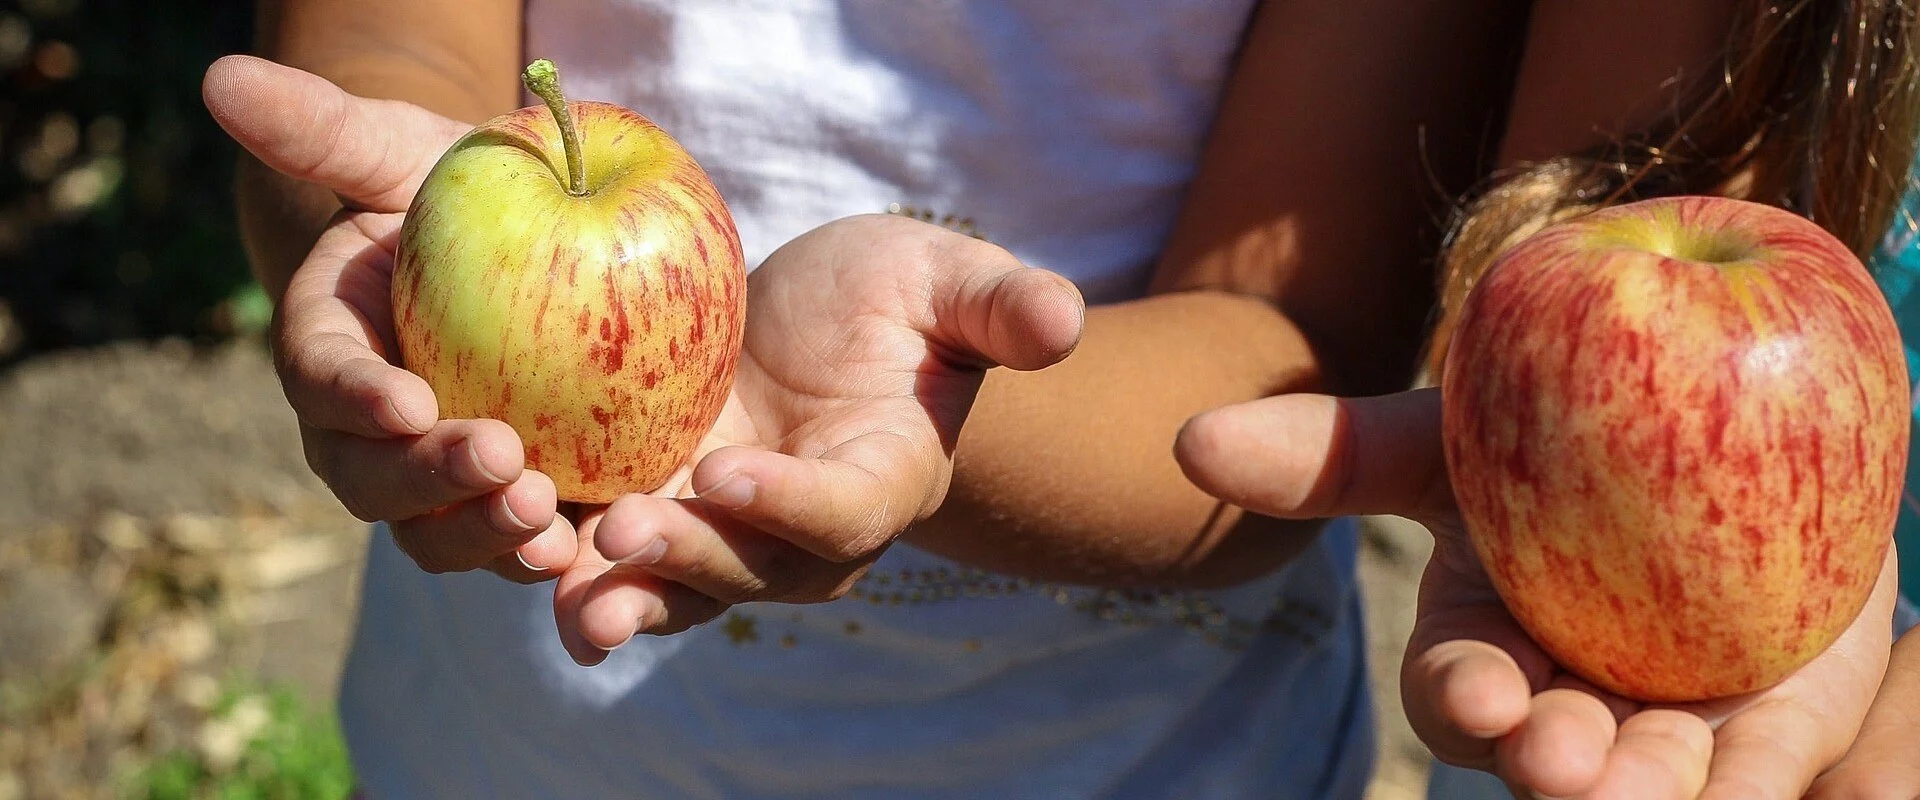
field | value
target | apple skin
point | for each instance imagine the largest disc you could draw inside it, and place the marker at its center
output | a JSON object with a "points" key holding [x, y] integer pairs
{"points": [[604, 328], [1676, 430]]}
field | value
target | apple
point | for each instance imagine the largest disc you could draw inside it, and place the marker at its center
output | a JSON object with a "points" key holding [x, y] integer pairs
{"points": [[572, 271], [1676, 430]]}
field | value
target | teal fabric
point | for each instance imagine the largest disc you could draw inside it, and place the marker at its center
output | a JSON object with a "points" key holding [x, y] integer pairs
{"points": [[1896, 266]]}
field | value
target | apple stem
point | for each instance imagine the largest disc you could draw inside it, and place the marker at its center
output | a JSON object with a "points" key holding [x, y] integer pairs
{"points": [[543, 79]]}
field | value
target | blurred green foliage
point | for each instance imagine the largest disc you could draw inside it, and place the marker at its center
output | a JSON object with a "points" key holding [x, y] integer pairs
{"points": [[116, 202], [289, 752]]}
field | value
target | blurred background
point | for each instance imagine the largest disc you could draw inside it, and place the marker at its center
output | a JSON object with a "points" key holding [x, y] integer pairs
{"points": [[176, 589]]}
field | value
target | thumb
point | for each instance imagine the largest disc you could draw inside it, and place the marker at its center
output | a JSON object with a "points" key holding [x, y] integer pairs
{"points": [[1313, 456], [1021, 317], [372, 153]]}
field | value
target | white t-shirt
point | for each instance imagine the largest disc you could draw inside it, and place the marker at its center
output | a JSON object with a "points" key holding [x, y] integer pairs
{"points": [[1067, 131]]}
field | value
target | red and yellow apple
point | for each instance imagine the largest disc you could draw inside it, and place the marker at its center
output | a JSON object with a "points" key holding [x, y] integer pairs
{"points": [[571, 271], [1676, 430]]}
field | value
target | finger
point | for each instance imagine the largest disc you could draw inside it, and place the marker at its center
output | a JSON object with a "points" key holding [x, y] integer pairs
{"points": [[395, 479], [988, 308], [542, 558], [330, 345], [476, 533], [1561, 748], [570, 592], [1882, 760], [715, 555], [845, 506], [1766, 751], [1461, 696], [1314, 456], [373, 153], [626, 601], [1658, 754]]}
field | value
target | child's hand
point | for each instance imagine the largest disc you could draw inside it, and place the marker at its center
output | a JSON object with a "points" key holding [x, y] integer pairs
{"points": [[455, 491], [866, 341], [1885, 758], [1477, 689]]}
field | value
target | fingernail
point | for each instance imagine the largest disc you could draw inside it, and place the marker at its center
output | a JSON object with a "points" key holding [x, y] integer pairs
{"points": [[734, 491], [523, 562], [464, 450], [651, 554], [623, 642], [505, 509]]}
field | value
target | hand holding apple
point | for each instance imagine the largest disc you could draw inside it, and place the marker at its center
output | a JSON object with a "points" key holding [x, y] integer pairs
{"points": [[454, 491], [1479, 690]]}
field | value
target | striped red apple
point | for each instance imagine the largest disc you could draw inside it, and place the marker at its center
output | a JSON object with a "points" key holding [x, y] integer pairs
{"points": [[1676, 430], [571, 271]]}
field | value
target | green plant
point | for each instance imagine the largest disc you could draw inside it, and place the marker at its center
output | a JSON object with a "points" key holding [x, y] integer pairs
{"points": [[296, 753]]}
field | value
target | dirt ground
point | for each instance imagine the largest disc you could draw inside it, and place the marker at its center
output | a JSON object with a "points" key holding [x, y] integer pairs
{"points": [[160, 536]]}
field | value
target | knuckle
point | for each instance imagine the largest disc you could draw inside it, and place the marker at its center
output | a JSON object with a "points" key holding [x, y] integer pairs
{"points": [[355, 500], [747, 587], [860, 540], [423, 480], [441, 561], [408, 541], [300, 354], [827, 586], [690, 613], [845, 550], [323, 458], [731, 582], [431, 551]]}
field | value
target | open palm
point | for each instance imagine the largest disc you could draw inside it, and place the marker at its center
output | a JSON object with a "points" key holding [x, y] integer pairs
{"points": [[1477, 689], [867, 339]]}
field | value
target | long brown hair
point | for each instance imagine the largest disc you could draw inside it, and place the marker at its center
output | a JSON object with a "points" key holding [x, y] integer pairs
{"points": [[1816, 108]]}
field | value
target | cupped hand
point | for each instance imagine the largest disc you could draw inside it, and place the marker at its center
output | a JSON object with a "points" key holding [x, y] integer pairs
{"points": [[866, 341], [455, 491], [1476, 688]]}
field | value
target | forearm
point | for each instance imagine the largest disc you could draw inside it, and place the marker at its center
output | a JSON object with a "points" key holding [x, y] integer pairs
{"points": [[1067, 473], [1298, 264], [455, 58]]}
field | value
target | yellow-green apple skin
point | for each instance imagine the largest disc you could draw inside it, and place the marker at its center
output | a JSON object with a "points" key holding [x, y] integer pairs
{"points": [[1676, 430], [604, 328]]}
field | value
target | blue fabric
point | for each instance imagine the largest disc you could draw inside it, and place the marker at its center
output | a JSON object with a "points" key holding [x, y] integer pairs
{"points": [[1896, 266], [931, 681]]}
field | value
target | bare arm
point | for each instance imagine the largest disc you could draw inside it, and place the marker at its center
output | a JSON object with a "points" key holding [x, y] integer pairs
{"points": [[459, 58], [1297, 265], [1599, 69]]}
